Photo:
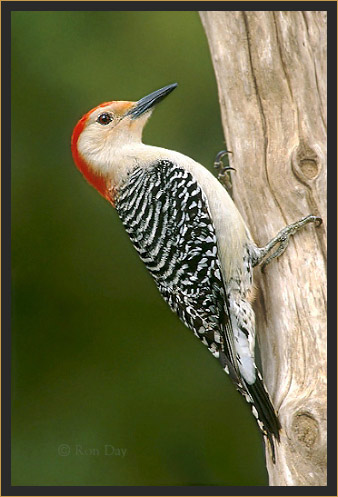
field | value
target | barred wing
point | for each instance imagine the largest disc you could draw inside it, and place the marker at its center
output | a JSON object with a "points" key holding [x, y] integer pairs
{"points": [[166, 216]]}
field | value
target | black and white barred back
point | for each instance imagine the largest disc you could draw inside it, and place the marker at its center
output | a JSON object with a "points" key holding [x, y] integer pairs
{"points": [[166, 216]]}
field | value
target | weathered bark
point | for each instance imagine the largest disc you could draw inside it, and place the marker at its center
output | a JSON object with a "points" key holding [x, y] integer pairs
{"points": [[271, 74]]}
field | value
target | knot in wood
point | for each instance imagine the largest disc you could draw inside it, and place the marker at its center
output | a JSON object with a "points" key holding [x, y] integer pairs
{"points": [[309, 168], [306, 429], [305, 162]]}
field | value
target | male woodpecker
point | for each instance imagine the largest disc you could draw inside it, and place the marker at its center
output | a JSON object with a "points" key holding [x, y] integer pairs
{"points": [[189, 234]]}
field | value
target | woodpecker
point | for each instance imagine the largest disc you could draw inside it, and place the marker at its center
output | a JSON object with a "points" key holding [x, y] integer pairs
{"points": [[189, 234]]}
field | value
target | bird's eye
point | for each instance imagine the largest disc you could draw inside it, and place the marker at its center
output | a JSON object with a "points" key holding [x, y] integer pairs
{"points": [[104, 118]]}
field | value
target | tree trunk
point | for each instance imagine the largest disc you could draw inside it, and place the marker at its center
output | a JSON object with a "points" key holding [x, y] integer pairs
{"points": [[271, 74]]}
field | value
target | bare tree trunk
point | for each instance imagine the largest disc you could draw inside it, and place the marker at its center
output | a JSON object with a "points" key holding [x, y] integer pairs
{"points": [[271, 74]]}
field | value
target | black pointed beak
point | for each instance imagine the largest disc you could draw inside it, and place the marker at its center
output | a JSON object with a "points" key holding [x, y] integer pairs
{"points": [[150, 100]]}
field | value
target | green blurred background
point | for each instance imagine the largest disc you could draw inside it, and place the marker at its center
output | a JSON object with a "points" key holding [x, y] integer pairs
{"points": [[98, 358]]}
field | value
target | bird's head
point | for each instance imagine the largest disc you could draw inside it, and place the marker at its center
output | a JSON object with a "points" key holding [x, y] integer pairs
{"points": [[107, 129]]}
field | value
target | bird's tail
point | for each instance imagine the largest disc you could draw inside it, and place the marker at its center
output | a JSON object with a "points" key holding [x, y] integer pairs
{"points": [[264, 412]]}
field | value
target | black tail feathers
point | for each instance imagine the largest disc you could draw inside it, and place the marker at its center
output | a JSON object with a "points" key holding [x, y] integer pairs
{"points": [[266, 415]]}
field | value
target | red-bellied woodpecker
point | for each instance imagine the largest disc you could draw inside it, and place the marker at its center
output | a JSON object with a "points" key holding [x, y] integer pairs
{"points": [[188, 232]]}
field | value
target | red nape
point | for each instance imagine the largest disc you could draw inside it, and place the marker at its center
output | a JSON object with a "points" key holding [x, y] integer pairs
{"points": [[93, 178]]}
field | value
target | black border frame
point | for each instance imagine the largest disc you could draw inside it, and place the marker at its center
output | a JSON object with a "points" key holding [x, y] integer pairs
{"points": [[6, 8]]}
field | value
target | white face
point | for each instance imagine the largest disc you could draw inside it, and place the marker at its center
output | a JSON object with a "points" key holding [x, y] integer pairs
{"points": [[108, 129]]}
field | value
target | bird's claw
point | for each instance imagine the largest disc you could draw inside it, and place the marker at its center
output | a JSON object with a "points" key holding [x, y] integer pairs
{"points": [[284, 235], [218, 163], [223, 171]]}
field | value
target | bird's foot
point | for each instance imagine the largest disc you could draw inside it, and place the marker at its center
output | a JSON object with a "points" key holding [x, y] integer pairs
{"points": [[283, 239], [223, 173]]}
